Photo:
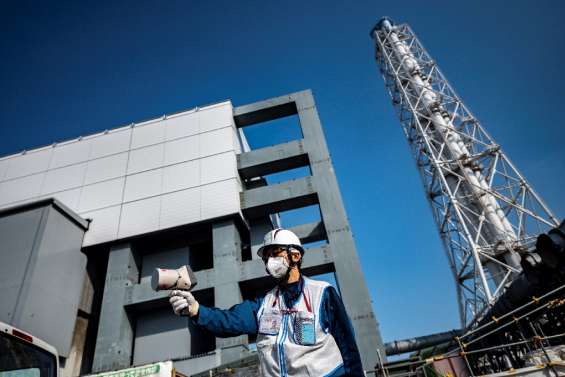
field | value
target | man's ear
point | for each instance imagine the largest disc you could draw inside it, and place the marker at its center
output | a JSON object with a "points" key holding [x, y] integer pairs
{"points": [[296, 257]]}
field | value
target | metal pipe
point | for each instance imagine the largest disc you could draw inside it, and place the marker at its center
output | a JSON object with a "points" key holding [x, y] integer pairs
{"points": [[536, 281], [397, 347]]}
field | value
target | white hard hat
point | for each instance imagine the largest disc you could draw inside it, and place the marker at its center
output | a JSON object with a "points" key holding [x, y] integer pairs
{"points": [[280, 237]]}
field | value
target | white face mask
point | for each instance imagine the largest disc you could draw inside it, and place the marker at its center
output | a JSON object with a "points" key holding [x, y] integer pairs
{"points": [[277, 267]]}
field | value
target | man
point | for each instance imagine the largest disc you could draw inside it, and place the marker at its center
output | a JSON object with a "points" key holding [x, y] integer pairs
{"points": [[301, 325]]}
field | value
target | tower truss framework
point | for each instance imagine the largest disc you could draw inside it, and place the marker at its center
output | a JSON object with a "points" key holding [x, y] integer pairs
{"points": [[485, 211]]}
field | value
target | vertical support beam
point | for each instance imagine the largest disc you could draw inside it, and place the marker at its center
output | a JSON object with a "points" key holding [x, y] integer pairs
{"points": [[227, 261], [258, 228], [114, 345], [354, 291]]}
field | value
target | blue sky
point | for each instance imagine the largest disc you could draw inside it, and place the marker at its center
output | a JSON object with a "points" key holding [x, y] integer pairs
{"points": [[71, 69]]}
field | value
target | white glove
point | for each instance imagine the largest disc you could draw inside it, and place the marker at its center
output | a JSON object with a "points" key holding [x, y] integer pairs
{"points": [[184, 303]]}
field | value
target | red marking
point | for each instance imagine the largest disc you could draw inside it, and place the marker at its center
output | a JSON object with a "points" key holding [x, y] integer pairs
{"points": [[293, 310], [21, 335], [306, 302]]}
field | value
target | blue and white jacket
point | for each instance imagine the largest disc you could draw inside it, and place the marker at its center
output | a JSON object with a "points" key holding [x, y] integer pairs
{"points": [[334, 352]]}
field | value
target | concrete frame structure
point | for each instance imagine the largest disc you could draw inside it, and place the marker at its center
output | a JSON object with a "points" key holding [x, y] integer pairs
{"points": [[122, 296], [321, 187]]}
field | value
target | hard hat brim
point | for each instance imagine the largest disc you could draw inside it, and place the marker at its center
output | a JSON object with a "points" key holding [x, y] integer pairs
{"points": [[262, 248]]}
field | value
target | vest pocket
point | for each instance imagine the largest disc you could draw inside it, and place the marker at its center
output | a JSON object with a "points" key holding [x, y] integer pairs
{"points": [[304, 329], [270, 323]]}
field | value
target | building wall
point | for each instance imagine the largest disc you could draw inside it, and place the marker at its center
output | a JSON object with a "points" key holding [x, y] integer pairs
{"points": [[41, 271], [137, 179]]}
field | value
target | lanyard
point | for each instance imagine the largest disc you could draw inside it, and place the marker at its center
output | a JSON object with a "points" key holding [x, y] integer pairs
{"points": [[288, 311]]}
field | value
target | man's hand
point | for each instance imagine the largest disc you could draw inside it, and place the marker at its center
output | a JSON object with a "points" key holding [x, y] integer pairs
{"points": [[184, 303]]}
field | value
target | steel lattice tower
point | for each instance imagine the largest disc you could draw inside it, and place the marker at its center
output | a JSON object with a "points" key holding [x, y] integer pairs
{"points": [[485, 211]]}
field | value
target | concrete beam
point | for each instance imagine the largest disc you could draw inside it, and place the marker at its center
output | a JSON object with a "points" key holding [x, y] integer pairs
{"points": [[114, 344], [264, 111], [312, 232], [272, 159], [318, 260], [227, 258], [278, 198], [349, 275]]}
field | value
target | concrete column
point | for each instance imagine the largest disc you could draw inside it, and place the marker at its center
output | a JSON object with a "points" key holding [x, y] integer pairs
{"points": [[227, 262], [258, 229], [114, 344], [349, 276]]}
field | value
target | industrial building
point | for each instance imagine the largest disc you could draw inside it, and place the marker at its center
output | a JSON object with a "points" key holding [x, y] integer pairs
{"points": [[84, 223]]}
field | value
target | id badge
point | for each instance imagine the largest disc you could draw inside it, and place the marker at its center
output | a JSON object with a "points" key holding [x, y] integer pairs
{"points": [[270, 323], [304, 330]]}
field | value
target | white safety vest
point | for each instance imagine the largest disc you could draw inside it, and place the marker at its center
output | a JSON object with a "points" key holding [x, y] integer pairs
{"points": [[279, 354]]}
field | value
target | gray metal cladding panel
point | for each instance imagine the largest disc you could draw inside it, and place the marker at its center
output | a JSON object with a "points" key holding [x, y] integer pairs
{"points": [[216, 141], [152, 132], [17, 234], [140, 217], [181, 150], [216, 116], [105, 168], [220, 198], [181, 176], [181, 207], [115, 141], [143, 185], [52, 291], [65, 178], [29, 163], [20, 189], [146, 158], [104, 225], [70, 198], [218, 168], [102, 194], [148, 171], [160, 335], [70, 153], [182, 125]]}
